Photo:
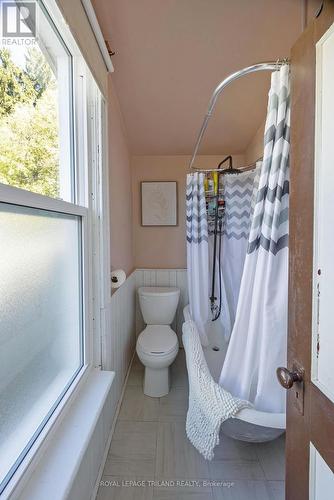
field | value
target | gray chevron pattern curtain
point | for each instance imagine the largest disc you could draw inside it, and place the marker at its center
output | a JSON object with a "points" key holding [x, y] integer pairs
{"points": [[197, 253], [197, 225], [258, 340], [239, 190], [270, 225], [239, 195]]}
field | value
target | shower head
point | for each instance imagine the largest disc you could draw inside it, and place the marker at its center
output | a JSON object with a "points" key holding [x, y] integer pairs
{"points": [[230, 169]]}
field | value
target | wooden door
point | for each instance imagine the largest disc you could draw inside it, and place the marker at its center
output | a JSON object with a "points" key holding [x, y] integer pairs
{"points": [[310, 412]]}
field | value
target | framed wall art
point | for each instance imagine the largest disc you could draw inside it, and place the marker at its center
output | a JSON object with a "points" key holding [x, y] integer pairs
{"points": [[159, 203]]}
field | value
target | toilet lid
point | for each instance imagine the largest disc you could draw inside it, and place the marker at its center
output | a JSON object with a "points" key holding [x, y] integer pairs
{"points": [[157, 339]]}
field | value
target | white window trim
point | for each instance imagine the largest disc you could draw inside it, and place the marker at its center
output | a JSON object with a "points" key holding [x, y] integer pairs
{"points": [[99, 223], [105, 262], [90, 246], [17, 196]]}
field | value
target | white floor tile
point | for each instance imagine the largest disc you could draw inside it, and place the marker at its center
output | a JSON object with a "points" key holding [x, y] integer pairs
{"points": [[136, 375], [179, 371], [131, 468], [231, 470], [133, 450], [174, 406], [276, 489], [242, 490], [183, 493], [232, 449], [176, 457], [115, 488], [272, 459], [138, 407], [136, 361]]}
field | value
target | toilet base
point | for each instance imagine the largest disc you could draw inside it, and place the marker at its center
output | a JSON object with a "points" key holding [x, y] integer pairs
{"points": [[156, 382]]}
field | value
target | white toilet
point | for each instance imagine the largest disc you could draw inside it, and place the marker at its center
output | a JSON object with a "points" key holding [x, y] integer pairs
{"points": [[157, 345]]}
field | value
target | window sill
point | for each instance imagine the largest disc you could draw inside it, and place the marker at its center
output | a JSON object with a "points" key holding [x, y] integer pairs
{"points": [[56, 464]]}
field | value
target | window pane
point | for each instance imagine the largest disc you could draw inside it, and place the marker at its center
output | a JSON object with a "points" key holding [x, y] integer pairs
{"points": [[35, 98], [41, 326]]}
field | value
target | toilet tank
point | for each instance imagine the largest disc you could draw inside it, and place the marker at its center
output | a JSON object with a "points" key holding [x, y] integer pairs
{"points": [[158, 304]]}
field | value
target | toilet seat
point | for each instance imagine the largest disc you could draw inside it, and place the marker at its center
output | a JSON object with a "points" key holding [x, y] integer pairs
{"points": [[157, 340]]}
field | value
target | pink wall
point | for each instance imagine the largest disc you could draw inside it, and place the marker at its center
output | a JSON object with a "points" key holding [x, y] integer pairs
{"points": [[163, 247], [120, 187], [254, 149]]}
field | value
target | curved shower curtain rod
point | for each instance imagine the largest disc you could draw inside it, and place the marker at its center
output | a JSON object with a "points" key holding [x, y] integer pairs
{"points": [[266, 66]]}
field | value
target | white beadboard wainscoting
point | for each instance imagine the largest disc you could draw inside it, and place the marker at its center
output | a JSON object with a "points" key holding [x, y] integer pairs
{"points": [[163, 277], [119, 342]]}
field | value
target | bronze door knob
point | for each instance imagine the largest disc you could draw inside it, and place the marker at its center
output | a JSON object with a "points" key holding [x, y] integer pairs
{"points": [[287, 378]]}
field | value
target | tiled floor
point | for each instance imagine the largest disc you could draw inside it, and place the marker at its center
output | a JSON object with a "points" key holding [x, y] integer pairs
{"points": [[150, 456]]}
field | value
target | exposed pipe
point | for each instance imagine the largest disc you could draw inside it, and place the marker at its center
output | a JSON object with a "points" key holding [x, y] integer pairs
{"points": [[90, 12], [266, 66]]}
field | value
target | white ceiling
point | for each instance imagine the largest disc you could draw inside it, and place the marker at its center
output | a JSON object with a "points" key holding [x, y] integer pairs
{"points": [[170, 55]]}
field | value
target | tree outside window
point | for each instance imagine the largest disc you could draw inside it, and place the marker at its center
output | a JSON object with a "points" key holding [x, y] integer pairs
{"points": [[29, 123]]}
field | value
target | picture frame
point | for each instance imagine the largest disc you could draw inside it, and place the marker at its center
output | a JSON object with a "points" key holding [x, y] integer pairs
{"points": [[159, 205]]}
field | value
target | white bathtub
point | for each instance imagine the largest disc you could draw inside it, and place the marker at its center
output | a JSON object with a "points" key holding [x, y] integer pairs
{"points": [[249, 424]]}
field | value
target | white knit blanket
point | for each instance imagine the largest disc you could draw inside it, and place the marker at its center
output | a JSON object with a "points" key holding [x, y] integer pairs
{"points": [[209, 404]]}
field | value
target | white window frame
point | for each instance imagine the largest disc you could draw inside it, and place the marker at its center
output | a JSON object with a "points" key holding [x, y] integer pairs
{"points": [[92, 206], [99, 220]]}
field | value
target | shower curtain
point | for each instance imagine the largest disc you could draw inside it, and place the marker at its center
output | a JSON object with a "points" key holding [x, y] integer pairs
{"points": [[239, 194], [258, 340], [197, 253]]}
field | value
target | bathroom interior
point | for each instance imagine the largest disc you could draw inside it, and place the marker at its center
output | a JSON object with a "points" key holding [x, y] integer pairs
{"points": [[165, 195]]}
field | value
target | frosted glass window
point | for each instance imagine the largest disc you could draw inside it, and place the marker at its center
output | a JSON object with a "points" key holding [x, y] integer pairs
{"points": [[41, 322]]}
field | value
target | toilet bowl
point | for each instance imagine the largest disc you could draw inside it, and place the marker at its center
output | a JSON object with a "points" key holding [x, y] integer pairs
{"points": [[157, 348], [157, 345]]}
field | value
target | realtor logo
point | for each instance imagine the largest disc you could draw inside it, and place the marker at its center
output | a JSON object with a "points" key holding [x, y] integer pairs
{"points": [[19, 19]]}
